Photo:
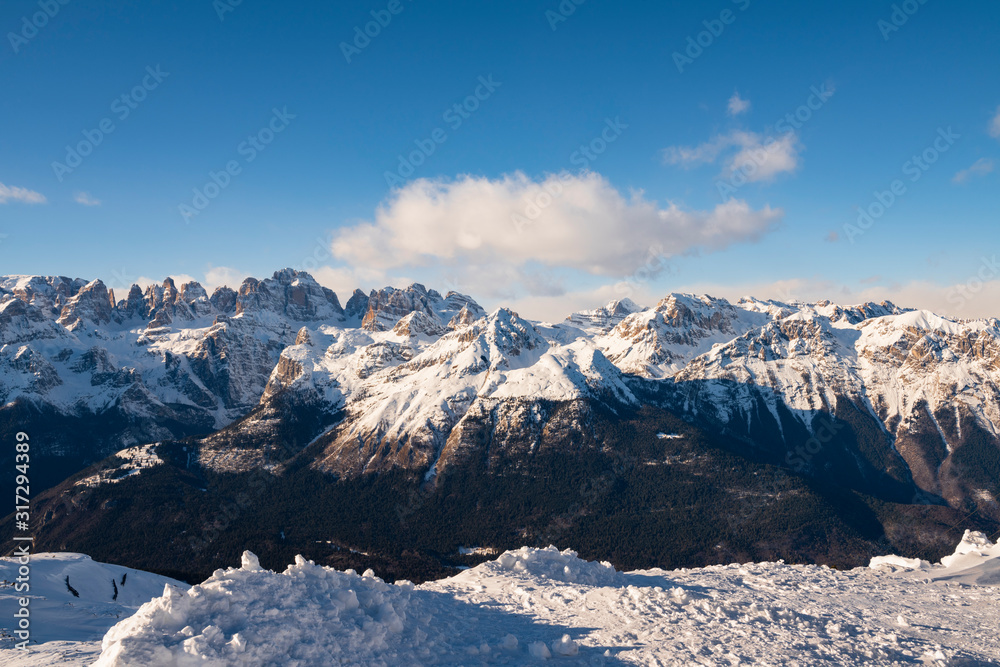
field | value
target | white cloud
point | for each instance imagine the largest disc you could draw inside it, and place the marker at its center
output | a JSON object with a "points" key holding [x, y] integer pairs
{"points": [[217, 276], [759, 158], [738, 105], [955, 301], [344, 280], [23, 195], [705, 153], [178, 278], [121, 280], [980, 167], [976, 299], [995, 125], [85, 199], [763, 159], [507, 236]]}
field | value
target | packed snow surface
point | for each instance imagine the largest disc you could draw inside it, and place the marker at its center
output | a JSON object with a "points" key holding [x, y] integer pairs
{"points": [[62, 622], [535, 605]]}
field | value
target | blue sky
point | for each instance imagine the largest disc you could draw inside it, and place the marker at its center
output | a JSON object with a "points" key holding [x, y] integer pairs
{"points": [[200, 80]]}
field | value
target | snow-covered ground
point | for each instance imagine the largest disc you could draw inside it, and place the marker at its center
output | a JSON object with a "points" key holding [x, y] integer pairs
{"points": [[526, 607], [67, 628]]}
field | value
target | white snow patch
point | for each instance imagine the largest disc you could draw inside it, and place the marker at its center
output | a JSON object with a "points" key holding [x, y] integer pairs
{"points": [[137, 459], [550, 563], [477, 551]]}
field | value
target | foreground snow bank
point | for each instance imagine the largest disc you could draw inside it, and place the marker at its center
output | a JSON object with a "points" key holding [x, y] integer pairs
{"points": [[534, 605], [309, 615], [976, 561]]}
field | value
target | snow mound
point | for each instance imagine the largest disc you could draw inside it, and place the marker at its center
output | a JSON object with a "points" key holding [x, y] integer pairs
{"points": [[308, 615], [976, 561], [899, 562], [241, 616], [550, 563], [974, 545]]}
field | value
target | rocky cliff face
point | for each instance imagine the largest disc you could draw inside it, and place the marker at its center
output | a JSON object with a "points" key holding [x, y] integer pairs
{"points": [[92, 305], [46, 293], [290, 294], [385, 307]]}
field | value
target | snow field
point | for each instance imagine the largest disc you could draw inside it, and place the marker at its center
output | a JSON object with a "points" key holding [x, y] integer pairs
{"points": [[528, 606], [535, 605]]}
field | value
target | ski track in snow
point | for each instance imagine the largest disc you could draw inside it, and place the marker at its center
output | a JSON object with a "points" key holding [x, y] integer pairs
{"points": [[535, 605]]}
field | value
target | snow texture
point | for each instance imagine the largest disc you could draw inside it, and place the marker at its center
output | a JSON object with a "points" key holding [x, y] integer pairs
{"points": [[534, 605], [69, 627]]}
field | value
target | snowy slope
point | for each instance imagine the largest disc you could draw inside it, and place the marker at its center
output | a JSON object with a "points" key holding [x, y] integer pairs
{"points": [[533, 605], [658, 342], [106, 593], [414, 404]]}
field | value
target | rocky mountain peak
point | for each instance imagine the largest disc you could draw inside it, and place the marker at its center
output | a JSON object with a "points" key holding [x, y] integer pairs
{"points": [[133, 305], [455, 302], [47, 293], [387, 306], [462, 319], [418, 323], [224, 299], [92, 304], [192, 291], [303, 337], [685, 310], [508, 334], [356, 306], [606, 317], [22, 322], [196, 298], [289, 293]]}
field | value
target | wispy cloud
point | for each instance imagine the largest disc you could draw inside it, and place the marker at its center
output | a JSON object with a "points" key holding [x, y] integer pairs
{"points": [[85, 199], [768, 156], [995, 125], [738, 105], [10, 193], [217, 276], [980, 167]]}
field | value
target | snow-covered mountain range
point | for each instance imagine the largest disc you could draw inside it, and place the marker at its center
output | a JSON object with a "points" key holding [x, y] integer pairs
{"points": [[404, 373]]}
